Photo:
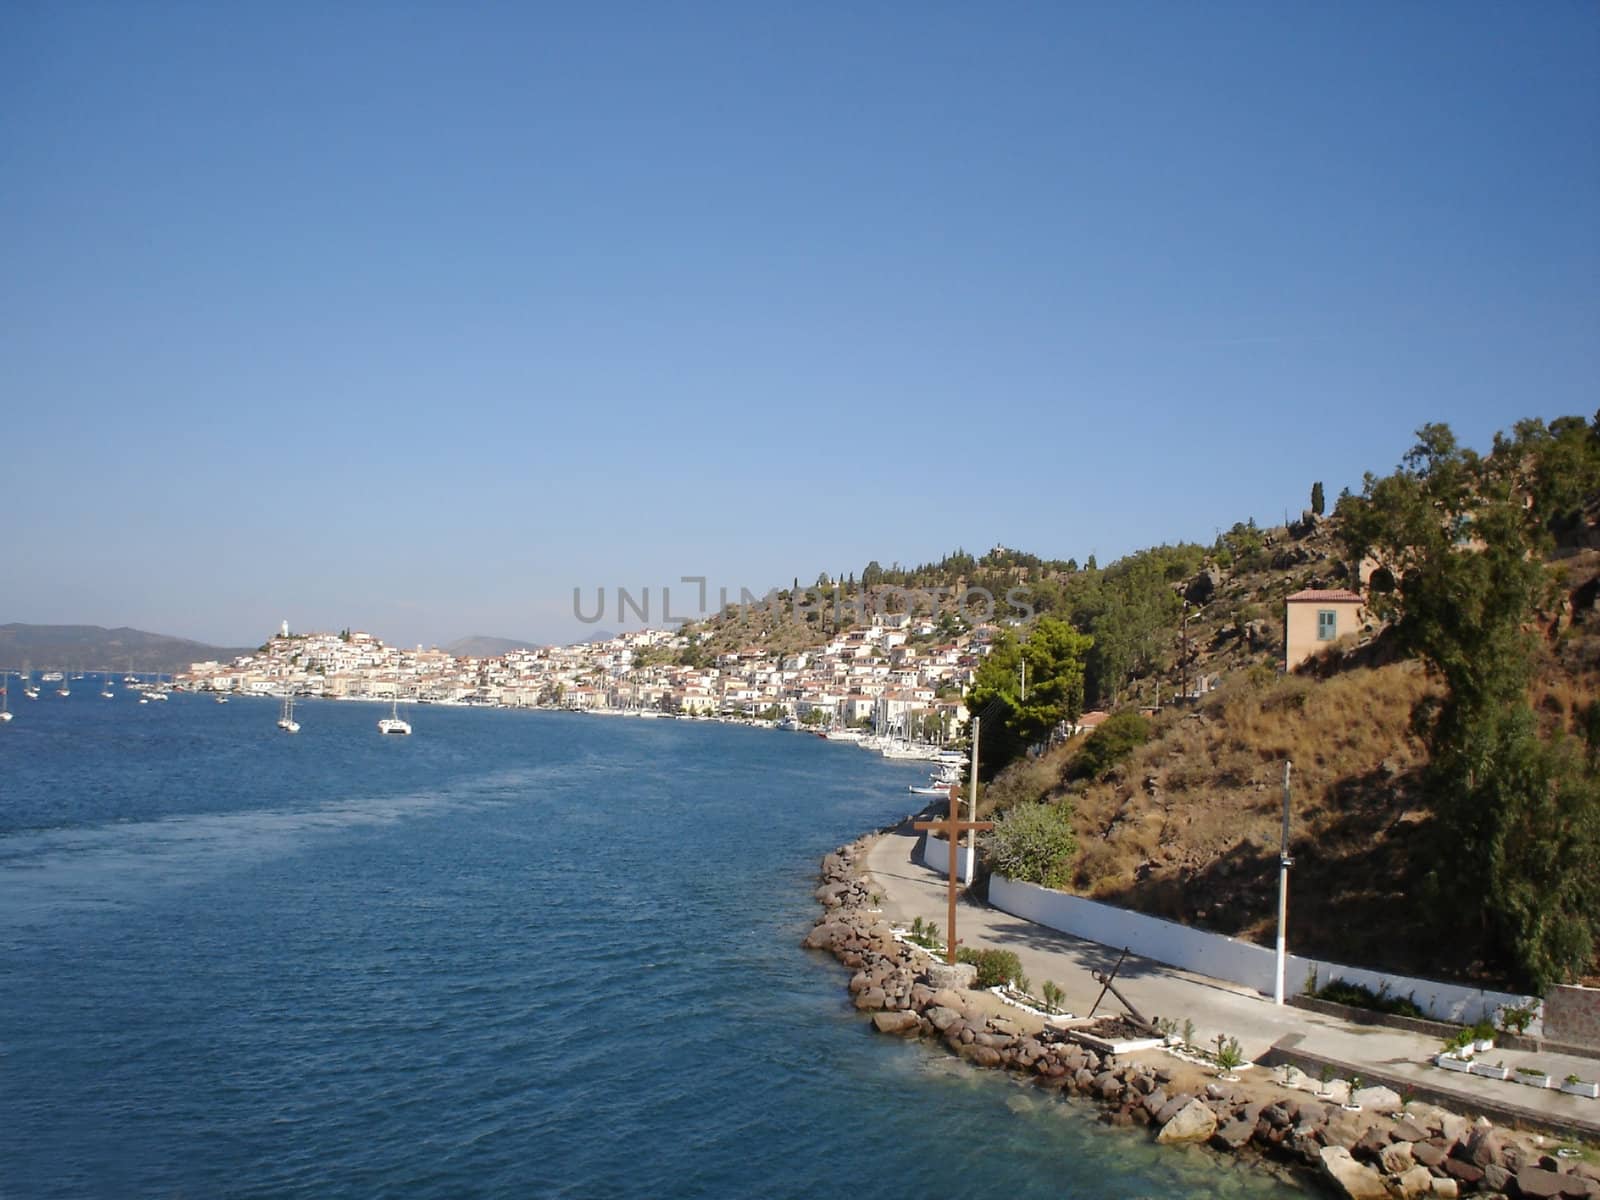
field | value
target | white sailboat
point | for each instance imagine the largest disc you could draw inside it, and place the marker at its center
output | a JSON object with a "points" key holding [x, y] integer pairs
{"points": [[105, 687], [286, 721], [5, 698], [393, 723], [28, 688], [64, 690]]}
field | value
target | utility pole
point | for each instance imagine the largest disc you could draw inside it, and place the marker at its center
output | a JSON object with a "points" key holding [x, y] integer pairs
{"points": [[1284, 863], [972, 805]]}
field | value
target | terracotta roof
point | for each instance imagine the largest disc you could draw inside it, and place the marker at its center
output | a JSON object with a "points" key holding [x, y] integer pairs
{"points": [[1327, 595]]}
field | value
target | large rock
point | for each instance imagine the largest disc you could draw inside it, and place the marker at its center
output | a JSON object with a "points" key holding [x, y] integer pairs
{"points": [[943, 1018], [870, 999], [1233, 1135], [1354, 1180], [1538, 1183], [1397, 1158], [1414, 1182], [828, 935], [1202, 587], [903, 1023], [952, 975], [1483, 1147], [1194, 1122]]}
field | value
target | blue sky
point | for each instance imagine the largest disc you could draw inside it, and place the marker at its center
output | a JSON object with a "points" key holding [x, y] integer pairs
{"points": [[415, 317]]}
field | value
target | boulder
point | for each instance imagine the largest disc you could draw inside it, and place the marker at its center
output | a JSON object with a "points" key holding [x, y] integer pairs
{"points": [[1414, 1182], [952, 975], [1461, 1169], [943, 1018], [1194, 1122], [980, 1055], [1171, 1108], [1483, 1147], [903, 1023], [1446, 1189], [1397, 1158], [828, 935], [1233, 1135], [1354, 1180], [1407, 1130], [1429, 1153], [1202, 587], [1537, 1183], [870, 999], [949, 998]]}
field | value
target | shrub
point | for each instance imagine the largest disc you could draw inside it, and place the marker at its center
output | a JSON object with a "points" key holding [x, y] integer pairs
{"points": [[1356, 996], [1034, 843], [1117, 738], [995, 967]]}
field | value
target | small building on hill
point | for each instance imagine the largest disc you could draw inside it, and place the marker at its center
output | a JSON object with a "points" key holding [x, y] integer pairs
{"points": [[1315, 618]]}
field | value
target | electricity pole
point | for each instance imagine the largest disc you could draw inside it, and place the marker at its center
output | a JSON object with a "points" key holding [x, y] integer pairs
{"points": [[1284, 863]]}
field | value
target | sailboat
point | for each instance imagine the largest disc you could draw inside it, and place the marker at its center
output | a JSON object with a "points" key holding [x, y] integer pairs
{"points": [[63, 691], [286, 722], [28, 688], [393, 723], [105, 687], [5, 698]]}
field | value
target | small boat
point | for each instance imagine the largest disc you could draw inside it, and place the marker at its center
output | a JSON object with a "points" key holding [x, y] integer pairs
{"points": [[63, 691], [393, 722], [105, 689], [930, 789], [286, 721], [221, 699], [5, 701]]}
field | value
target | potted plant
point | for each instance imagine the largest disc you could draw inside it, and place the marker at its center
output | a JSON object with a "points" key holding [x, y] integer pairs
{"points": [[1483, 1036], [1456, 1055], [1573, 1086], [1229, 1057], [1532, 1077], [1324, 1077], [1497, 1070]]}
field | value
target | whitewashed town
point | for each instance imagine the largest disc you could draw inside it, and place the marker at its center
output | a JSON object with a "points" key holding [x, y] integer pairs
{"points": [[899, 675]]}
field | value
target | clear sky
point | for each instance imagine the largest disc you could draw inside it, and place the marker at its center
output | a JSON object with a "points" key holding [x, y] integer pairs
{"points": [[414, 317]]}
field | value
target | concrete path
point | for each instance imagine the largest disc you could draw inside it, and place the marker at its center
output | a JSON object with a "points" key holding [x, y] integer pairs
{"points": [[1266, 1032]]}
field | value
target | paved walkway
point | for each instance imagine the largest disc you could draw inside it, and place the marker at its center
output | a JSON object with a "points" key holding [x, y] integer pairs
{"points": [[1266, 1032]]}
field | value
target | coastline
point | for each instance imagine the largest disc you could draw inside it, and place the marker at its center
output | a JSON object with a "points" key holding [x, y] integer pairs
{"points": [[1389, 1147]]}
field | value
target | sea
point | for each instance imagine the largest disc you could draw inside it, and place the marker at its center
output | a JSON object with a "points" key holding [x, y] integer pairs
{"points": [[517, 954]]}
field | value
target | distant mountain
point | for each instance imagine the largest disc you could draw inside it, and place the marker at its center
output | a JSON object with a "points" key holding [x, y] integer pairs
{"points": [[599, 635], [93, 648], [478, 646]]}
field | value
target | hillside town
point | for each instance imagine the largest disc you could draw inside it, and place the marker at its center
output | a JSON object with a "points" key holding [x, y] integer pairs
{"points": [[898, 673]]}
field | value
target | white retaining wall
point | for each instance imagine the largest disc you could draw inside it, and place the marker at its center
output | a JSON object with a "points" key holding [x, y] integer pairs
{"points": [[1229, 958], [936, 857]]}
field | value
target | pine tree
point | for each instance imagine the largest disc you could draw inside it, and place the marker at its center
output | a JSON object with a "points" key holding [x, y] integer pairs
{"points": [[1317, 503]]}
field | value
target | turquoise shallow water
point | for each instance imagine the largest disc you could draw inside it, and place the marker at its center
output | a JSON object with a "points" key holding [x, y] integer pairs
{"points": [[517, 954]]}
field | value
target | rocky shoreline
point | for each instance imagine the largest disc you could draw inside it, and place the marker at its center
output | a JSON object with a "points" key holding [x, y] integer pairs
{"points": [[1387, 1149]]}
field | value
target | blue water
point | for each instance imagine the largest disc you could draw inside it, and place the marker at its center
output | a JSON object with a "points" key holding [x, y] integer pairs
{"points": [[517, 954]]}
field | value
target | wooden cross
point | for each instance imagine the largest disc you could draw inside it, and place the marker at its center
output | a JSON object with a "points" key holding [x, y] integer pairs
{"points": [[952, 827]]}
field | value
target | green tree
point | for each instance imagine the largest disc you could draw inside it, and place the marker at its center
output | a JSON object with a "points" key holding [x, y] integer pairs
{"points": [[1054, 654], [1461, 540], [1317, 502], [1034, 843]]}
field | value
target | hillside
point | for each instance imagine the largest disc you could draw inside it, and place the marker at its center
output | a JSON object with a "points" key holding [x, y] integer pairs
{"points": [[93, 648], [1474, 646], [478, 646]]}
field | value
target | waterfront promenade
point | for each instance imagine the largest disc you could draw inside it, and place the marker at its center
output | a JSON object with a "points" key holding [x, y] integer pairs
{"points": [[1268, 1033]]}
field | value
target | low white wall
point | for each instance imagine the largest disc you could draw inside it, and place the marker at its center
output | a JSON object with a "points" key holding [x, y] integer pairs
{"points": [[1229, 958], [936, 857]]}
